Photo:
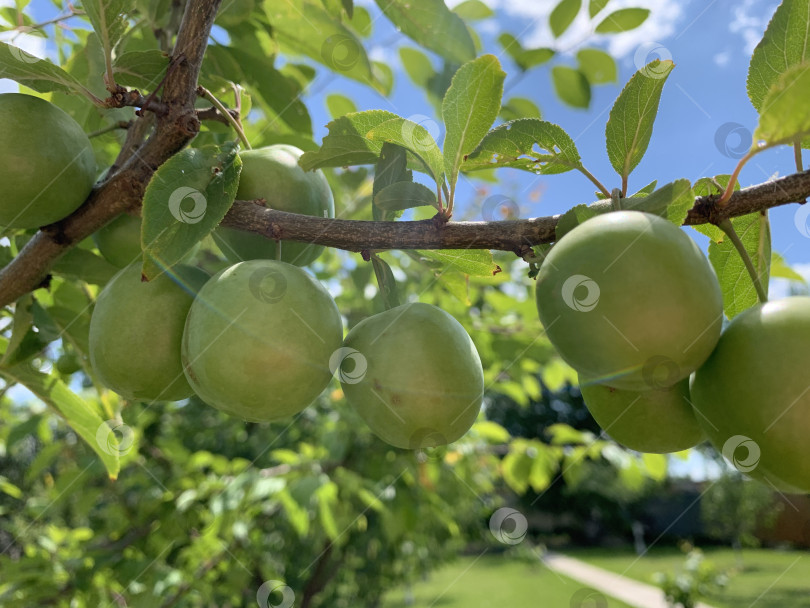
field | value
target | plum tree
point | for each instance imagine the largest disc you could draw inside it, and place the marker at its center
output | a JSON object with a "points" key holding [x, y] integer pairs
{"points": [[136, 332], [414, 375], [629, 300], [656, 421], [752, 396], [120, 240], [273, 174], [258, 340], [48, 168]]}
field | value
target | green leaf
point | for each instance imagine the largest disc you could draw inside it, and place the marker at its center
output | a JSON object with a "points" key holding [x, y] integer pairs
{"points": [[738, 288], [530, 58], [141, 69], [524, 58], [413, 137], [304, 27], [563, 15], [786, 43], [655, 465], [79, 414], [473, 10], [571, 86], [404, 195], [519, 107], [281, 93], [631, 120], [347, 142], [9, 488], [623, 20], [672, 201], [38, 74], [469, 108], [107, 18], [529, 144], [391, 168], [474, 262], [327, 497], [781, 269], [417, 65], [186, 199], [84, 265], [598, 66], [491, 432], [575, 216], [594, 6], [386, 282], [339, 105], [21, 325], [785, 113], [432, 25]]}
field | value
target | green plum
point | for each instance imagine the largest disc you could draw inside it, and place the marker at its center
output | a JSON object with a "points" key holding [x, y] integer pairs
{"points": [[48, 168], [752, 396], [258, 340], [120, 240], [629, 300], [414, 375], [136, 333], [658, 421], [273, 173]]}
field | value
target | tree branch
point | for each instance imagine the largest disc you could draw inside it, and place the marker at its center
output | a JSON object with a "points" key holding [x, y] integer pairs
{"points": [[124, 191], [124, 188], [514, 235]]}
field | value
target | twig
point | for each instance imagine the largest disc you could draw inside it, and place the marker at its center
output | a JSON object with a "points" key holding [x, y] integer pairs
{"points": [[203, 92], [121, 124]]}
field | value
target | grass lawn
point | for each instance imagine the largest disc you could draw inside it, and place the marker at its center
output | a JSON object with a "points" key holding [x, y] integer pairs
{"points": [[494, 581], [770, 579]]}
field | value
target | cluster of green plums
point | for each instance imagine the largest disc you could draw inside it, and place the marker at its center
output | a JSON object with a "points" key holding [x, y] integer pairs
{"points": [[627, 299], [261, 339], [633, 305]]}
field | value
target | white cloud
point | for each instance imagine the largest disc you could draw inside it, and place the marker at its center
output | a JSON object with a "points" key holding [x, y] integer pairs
{"points": [[663, 21], [722, 59], [751, 17]]}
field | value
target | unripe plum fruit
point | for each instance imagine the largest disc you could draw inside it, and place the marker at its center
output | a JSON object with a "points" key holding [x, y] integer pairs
{"points": [[120, 240], [48, 168], [629, 300], [273, 173], [752, 396], [657, 421], [259, 338], [414, 375], [136, 332]]}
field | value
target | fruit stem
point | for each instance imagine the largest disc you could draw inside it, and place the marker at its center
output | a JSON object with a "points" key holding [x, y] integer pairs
{"points": [[797, 155], [616, 199], [202, 91], [728, 228], [733, 180]]}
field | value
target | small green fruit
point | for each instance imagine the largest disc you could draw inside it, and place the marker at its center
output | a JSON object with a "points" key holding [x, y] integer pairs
{"points": [[414, 375], [656, 421], [136, 333], [258, 340], [68, 363], [49, 167], [273, 173], [120, 240], [752, 396], [629, 300]]}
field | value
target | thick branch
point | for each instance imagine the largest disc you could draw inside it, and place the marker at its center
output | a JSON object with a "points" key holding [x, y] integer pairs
{"points": [[124, 191], [124, 188], [513, 235]]}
